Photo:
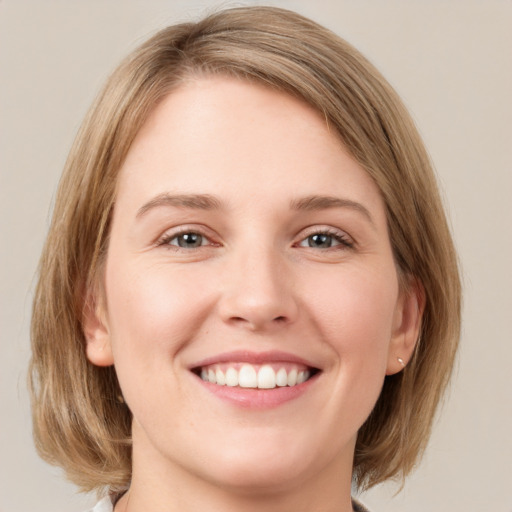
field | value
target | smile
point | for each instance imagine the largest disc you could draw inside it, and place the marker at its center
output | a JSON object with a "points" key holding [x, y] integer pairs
{"points": [[254, 376], [256, 380]]}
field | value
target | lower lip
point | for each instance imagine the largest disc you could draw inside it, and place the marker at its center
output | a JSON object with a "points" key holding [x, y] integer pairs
{"points": [[251, 398]]}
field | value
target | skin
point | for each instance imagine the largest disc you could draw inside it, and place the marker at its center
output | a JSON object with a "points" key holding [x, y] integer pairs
{"points": [[254, 284]]}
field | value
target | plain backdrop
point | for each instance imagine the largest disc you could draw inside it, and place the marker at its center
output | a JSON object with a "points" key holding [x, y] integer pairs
{"points": [[450, 61]]}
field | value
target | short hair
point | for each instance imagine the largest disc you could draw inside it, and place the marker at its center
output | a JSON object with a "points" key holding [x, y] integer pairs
{"points": [[79, 423]]}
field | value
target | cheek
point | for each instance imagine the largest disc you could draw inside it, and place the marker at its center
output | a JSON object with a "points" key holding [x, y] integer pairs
{"points": [[152, 309], [355, 312], [353, 309], [152, 313]]}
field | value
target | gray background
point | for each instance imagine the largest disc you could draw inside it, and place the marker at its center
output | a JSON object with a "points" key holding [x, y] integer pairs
{"points": [[450, 60]]}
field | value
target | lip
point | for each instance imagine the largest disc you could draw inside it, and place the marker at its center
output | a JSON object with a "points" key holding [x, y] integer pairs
{"points": [[246, 356], [258, 398], [250, 398]]}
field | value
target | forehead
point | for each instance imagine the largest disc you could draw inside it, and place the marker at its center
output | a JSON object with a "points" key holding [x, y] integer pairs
{"points": [[230, 137]]}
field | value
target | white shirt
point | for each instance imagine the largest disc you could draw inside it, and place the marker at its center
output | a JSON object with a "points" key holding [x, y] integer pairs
{"points": [[105, 505]]}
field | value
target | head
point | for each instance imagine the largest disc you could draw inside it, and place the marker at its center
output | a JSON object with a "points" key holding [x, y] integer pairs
{"points": [[79, 421]]}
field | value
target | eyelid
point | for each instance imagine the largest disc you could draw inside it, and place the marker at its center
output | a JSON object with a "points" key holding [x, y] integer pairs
{"points": [[172, 233], [346, 240], [343, 237]]}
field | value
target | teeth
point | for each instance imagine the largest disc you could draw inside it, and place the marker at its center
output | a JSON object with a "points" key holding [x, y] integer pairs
{"points": [[292, 378], [231, 377], [266, 377], [248, 376], [281, 378], [220, 377]]}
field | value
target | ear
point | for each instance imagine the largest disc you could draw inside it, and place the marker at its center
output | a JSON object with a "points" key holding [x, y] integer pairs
{"points": [[97, 336], [406, 326]]}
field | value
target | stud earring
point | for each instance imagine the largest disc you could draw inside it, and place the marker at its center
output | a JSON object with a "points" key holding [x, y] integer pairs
{"points": [[401, 361]]}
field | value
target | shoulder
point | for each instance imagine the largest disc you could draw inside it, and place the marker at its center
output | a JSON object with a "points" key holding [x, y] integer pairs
{"points": [[358, 507], [105, 505]]}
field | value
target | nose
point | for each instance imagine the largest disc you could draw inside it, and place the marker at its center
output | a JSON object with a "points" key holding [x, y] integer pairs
{"points": [[258, 291]]}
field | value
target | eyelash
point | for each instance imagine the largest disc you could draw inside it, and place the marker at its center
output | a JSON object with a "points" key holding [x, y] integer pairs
{"points": [[167, 238], [344, 241]]}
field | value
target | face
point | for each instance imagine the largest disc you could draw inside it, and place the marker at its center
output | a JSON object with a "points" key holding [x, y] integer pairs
{"points": [[251, 304]]}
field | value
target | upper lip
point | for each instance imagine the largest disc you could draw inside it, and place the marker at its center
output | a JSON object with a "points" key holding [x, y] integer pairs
{"points": [[246, 356]]}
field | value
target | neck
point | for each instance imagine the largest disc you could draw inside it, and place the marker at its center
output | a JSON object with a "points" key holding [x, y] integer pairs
{"points": [[161, 486]]}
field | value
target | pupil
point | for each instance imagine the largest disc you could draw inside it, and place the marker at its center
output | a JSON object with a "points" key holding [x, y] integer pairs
{"points": [[320, 240], [190, 240]]}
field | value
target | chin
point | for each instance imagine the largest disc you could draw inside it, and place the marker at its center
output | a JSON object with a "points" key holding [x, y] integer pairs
{"points": [[261, 469], [259, 479]]}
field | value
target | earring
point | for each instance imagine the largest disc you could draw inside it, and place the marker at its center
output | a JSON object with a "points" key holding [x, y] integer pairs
{"points": [[401, 361]]}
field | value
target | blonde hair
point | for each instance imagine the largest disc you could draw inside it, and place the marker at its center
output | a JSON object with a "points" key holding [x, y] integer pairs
{"points": [[79, 423]]}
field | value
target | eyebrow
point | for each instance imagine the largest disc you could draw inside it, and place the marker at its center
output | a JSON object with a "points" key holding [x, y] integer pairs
{"points": [[315, 203], [209, 202], [194, 201]]}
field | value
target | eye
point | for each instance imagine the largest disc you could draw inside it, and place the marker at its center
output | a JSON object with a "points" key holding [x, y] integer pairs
{"points": [[326, 240], [185, 240]]}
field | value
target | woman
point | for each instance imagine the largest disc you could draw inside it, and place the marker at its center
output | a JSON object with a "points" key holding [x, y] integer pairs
{"points": [[249, 296]]}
